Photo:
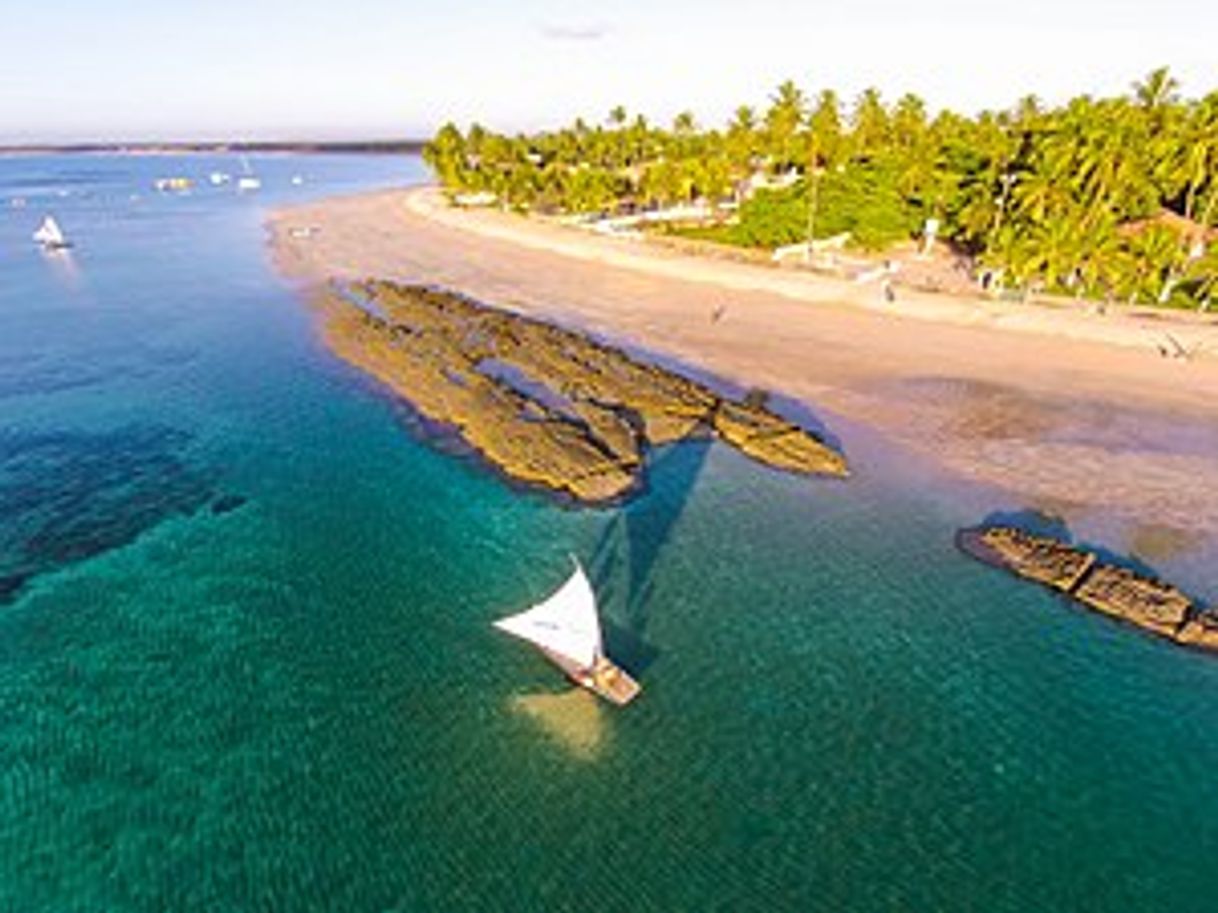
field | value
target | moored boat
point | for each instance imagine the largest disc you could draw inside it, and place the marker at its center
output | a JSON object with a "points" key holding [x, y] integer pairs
{"points": [[51, 236], [566, 628], [247, 181]]}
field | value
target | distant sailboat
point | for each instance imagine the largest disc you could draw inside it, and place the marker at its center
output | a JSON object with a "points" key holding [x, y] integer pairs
{"points": [[51, 236], [247, 181], [566, 628]]}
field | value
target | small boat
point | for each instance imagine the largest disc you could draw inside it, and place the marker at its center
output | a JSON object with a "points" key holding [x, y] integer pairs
{"points": [[51, 236], [174, 184], [219, 178], [247, 181], [566, 628]]}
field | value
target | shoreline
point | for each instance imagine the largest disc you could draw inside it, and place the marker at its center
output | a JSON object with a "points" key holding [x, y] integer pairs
{"points": [[1136, 327], [1069, 411]]}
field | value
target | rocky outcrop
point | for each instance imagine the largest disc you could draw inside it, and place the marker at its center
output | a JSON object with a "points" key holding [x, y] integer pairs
{"points": [[1147, 603], [1200, 631], [1038, 558], [773, 440], [1119, 592], [547, 406]]}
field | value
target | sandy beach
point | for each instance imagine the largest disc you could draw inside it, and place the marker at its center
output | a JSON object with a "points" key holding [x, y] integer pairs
{"points": [[1066, 409]]}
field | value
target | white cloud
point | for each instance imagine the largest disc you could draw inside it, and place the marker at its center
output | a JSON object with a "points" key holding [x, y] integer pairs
{"points": [[570, 32]]}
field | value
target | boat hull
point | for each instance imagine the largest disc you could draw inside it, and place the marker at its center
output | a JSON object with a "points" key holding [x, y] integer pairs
{"points": [[605, 679]]}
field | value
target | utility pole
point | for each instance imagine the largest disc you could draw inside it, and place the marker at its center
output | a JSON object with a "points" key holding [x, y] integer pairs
{"points": [[814, 198]]}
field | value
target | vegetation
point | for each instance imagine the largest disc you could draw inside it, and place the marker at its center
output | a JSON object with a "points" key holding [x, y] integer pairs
{"points": [[1112, 198]]}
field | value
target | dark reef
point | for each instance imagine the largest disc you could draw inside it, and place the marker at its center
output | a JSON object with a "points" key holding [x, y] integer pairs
{"points": [[69, 496]]}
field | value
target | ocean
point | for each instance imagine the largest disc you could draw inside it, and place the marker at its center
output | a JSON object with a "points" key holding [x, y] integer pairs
{"points": [[246, 660]]}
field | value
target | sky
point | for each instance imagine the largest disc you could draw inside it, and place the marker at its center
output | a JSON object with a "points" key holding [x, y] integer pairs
{"points": [[77, 70]]}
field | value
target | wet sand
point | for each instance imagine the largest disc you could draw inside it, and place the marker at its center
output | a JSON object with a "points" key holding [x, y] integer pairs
{"points": [[1065, 409]]}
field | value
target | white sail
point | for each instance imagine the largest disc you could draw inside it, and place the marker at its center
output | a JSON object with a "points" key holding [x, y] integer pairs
{"points": [[49, 233], [566, 624]]}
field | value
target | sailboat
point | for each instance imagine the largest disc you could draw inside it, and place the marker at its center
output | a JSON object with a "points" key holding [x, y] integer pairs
{"points": [[51, 236], [247, 181], [566, 628]]}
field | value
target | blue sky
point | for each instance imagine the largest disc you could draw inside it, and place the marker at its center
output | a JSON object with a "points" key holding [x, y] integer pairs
{"points": [[127, 69]]}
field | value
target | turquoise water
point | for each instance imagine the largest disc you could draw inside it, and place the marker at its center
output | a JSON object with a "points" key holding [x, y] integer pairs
{"points": [[246, 661]]}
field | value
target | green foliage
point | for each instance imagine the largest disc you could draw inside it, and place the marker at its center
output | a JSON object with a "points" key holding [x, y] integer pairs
{"points": [[862, 201], [1110, 197], [772, 218]]}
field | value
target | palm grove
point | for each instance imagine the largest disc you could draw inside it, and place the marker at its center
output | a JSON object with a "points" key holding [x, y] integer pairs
{"points": [[1111, 198]]}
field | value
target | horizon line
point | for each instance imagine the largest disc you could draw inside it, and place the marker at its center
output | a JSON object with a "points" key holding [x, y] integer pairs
{"points": [[232, 145]]}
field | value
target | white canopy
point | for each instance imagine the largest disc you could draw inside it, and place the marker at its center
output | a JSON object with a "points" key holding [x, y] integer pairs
{"points": [[566, 624]]}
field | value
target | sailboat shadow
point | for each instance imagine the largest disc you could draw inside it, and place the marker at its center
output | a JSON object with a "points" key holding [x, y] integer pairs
{"points": [[625, 557]]}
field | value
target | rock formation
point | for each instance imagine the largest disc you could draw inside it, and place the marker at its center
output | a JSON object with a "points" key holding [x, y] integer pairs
{"points": [[1119, 592], [547, 406]]}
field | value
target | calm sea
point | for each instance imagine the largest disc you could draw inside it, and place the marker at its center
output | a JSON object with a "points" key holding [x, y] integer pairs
{"points": [[246, 661]]}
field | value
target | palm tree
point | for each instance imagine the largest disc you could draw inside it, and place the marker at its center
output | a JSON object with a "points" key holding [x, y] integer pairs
{"points": [[1157, 90], [1197, 155], [684, 124], [782, 122], [1064, 198], [870, 123], [825, 125], [909, 120]]}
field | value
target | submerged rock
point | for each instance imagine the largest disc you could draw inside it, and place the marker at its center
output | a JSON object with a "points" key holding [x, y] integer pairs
{"points": [[11, 585], [1119, 592], [226, 504], [547, 406], [69, 496]]}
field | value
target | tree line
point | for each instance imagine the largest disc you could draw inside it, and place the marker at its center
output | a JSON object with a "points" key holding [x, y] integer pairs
{"points": [[1113, 198]]}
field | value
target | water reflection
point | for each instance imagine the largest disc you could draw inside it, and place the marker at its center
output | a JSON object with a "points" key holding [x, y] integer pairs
{"points": [[64, 267]]}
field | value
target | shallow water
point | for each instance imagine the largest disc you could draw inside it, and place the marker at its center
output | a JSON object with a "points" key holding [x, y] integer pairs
{"points": [[246, 661]]}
